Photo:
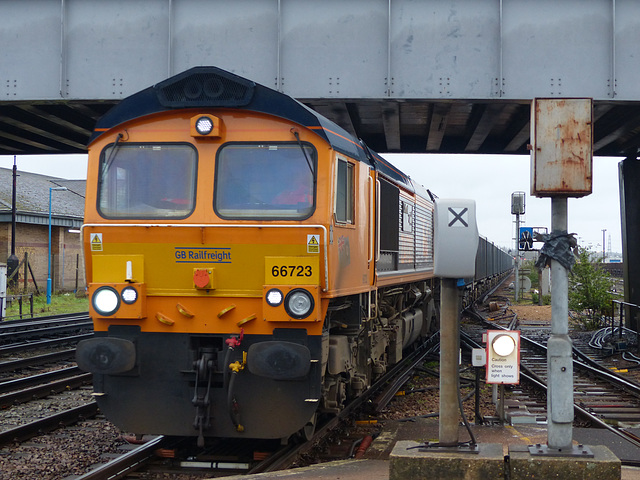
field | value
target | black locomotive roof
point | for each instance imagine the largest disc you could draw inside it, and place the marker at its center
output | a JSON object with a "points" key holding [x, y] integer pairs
{"points": [[212, 87]]}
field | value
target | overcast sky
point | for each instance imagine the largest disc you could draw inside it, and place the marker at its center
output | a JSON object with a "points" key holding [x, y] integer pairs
{"points": [[489, 180]]}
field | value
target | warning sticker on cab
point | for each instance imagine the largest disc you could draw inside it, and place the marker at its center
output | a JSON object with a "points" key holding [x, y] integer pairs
{"points": [[96, 242], [313, 243], [291, 271]]}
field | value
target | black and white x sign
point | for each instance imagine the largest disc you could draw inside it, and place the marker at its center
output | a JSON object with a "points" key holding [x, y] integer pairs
{"points": [[458, 217]]}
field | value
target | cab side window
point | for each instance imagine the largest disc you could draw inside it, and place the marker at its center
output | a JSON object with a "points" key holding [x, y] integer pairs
{"points": [[345, 192]]}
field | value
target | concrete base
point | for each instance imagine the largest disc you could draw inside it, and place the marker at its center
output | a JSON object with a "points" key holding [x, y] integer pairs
{"points": [[603, 466], [416, 464]]}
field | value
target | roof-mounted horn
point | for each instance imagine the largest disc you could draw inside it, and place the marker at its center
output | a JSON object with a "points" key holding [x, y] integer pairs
{"points": [[205, 87]]}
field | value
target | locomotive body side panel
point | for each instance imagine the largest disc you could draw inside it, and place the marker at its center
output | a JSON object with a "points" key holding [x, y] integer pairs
{"points": [[406, 235], [350, 235]]}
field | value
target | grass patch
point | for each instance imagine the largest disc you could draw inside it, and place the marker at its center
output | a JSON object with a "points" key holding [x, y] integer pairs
{"points": [[61, 303]]}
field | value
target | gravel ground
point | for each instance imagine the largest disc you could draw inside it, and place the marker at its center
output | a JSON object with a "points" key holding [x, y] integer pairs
{"points": [[24, 413], [428, 401], [70, 451], [59, 454]]}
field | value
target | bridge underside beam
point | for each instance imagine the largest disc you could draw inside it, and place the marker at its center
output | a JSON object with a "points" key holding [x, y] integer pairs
{"points": [[406, 76]]}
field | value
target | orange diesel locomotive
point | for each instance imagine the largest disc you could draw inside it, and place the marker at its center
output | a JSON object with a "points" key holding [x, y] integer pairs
{"points": [[250, 263]]}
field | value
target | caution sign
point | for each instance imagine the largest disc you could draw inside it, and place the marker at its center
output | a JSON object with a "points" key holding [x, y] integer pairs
{"points": [[96, 242], [313, 243], [503, 356]]}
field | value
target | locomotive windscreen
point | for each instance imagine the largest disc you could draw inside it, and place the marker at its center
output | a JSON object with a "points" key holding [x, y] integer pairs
{"points": [[265, 181], [147, 181]]}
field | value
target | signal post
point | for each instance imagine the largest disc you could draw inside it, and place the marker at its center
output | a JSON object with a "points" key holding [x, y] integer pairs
{"points": [[561, 134], [561, 167], [456, 245]]}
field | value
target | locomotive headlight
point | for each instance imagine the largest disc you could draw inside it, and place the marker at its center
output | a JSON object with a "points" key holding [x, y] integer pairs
{"points": [[503, 345], [298, 303], [204, 125], [106, 301], [274, 297], [129, 295]]}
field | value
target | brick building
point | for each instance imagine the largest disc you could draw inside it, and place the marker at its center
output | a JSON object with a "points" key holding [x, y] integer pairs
{"points": [[32, 229]]}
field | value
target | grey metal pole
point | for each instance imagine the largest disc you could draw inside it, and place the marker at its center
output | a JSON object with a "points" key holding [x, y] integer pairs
{"points": [[49, 253], [449, 353], [559, 360], [12, 260], [517, 282]]}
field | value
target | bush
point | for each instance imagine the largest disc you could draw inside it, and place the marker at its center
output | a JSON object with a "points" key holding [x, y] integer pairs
{"points": [[533, 273], [589, 288], [546, 299]]}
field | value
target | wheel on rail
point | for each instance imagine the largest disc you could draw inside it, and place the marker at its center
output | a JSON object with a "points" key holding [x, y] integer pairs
{"points": [[310, 428]]}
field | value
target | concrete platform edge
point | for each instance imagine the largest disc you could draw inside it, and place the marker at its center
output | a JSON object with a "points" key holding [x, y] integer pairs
{"points": [[408, 463], [604, 465]]}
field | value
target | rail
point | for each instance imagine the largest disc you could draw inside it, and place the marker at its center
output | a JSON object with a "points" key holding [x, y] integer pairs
{"points": [[126, 463], [582, 362], [377, 396], [47, 424]]}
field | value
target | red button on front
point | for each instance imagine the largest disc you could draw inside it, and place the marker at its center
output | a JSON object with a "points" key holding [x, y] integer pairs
{"points": [[201, 278]]}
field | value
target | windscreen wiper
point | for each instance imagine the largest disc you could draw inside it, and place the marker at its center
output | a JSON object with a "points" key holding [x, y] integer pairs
{"points": [[304, 152]]}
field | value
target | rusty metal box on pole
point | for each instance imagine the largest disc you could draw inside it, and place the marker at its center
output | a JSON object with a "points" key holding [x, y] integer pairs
{"points": [[561, 147]]}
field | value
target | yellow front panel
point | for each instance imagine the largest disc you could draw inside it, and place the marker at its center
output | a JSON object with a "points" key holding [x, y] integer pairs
{"points": [[239, 260], [113, 268], [236, 254]]}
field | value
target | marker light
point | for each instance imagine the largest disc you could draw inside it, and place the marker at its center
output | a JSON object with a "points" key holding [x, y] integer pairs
{"points": [[298, 303], [106, 301], [129, 295], [503, 345], [274, 297], [204, 125]]}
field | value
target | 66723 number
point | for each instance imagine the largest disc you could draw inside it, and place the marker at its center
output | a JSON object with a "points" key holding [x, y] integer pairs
{"points": [[291, 271]]}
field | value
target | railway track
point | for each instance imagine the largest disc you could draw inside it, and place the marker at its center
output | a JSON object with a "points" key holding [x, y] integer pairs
{"points": [[597, 408], [264, 456], [22, 331], [602, 398], [31, 378], [41, 385]]}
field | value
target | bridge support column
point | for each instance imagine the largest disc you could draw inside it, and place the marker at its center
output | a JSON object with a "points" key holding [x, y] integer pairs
{"points": [[629, 174]]}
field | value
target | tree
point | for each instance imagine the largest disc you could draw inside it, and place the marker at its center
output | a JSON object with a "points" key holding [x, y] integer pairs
{"points": [[589, 291]]}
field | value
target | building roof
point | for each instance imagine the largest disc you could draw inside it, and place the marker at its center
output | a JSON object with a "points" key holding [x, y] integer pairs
{"points": [[32, 199]]}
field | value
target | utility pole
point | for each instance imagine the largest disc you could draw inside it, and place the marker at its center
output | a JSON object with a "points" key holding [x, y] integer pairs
{"points": [[604, 255], [517, 209], [12, 261]]}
